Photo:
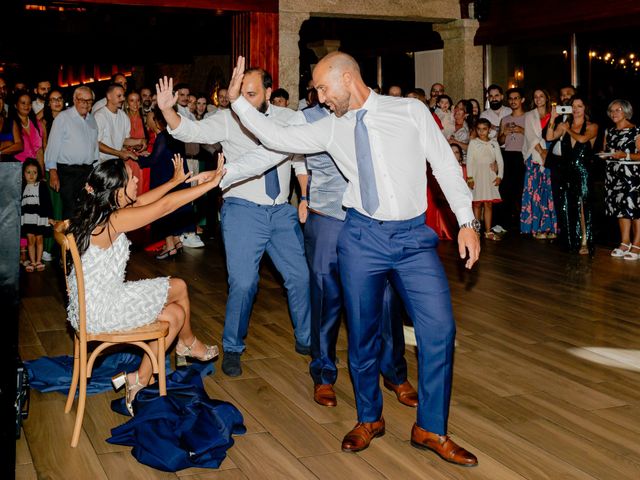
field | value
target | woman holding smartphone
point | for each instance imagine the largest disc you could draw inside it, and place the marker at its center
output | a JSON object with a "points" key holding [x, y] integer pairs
{"points": [[575, 211]]}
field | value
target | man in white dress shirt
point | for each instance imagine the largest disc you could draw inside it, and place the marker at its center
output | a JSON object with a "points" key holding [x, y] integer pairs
{"points": [[255, 217], [114, 127], [380, 144], [118, 78]]}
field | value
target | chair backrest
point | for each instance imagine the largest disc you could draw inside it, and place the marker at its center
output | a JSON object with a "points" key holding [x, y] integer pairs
{"points": [[68, 244]]}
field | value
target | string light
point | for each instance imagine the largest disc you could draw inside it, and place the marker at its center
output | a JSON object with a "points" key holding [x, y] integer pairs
{"points": [[631, 60]]}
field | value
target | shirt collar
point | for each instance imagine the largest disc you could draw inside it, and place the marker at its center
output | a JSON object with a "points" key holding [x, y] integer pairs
{"points": [[370, 104]]}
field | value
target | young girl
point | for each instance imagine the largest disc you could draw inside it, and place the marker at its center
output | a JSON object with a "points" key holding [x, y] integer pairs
{"points": [[482, 155], [444, 113], [36, 213], [108, 207]]}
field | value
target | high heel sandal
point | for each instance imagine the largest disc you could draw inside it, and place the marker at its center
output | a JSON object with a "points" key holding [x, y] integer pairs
{"points": [[165, 254], [179, 247], [211, 352], [131, 389], [631, 255]]}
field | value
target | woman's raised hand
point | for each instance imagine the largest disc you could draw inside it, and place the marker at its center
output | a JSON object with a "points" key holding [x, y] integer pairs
{"points": [[178, 170], [165, 97], [214, 176]]}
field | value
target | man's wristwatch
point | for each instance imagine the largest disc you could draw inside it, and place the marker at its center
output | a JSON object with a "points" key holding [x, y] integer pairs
{"points": [[475, 224]]}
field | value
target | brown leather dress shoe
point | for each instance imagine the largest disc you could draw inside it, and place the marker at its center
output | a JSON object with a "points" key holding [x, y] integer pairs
{"points": [[443, 446], [324, 395], [360, 437], [405, 392]]}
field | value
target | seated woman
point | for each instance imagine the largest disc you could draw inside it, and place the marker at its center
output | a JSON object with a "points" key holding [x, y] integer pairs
{"points": [[109, 207]]}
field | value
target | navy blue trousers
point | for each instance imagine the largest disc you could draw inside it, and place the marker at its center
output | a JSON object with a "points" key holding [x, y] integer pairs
{"points": [[249, 230], [320, 241], [370, 252]]}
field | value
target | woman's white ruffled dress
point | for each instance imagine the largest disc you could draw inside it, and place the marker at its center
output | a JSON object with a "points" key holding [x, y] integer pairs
{"points": [[113, 303]]}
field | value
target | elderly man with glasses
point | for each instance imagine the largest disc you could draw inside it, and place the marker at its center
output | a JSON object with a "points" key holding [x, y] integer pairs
{"points": [[72, 149]]}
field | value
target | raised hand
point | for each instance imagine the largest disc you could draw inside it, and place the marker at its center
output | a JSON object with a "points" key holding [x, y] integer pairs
{"points": [[214, 176], [166, 99], [178, 170], [233, 91]]}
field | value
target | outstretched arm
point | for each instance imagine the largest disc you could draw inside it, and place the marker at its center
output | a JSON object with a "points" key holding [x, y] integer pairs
{"points": [[128, 219], [157, 193], [252, 164], [310, 138]]}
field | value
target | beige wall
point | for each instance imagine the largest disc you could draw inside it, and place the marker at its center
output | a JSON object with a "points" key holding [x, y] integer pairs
{"points": [[462, 62]]}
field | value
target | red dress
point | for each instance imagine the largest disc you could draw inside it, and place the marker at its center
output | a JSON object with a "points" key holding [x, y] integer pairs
{"points": [[439, 215], [142, 174]]}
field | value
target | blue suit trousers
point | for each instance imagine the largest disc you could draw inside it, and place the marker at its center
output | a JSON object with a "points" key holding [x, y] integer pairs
{"points": [[320, 240], [249, 230], [370, 252]]}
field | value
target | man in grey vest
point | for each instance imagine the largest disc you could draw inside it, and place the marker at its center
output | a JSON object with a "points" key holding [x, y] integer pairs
{"points": [[326, 188]]}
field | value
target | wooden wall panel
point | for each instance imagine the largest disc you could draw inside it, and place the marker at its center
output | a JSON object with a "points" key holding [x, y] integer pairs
{"points": [[255, 36]]}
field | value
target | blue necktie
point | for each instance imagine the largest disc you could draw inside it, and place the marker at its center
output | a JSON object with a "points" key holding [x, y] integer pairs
{"points": [[272, 183], [271, 180], [368, 190]]}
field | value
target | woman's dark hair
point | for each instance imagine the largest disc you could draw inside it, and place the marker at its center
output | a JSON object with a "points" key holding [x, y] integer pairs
{"points": [[159, 117], [468, 108], [47, 113], [97, 201], [587, 110], [455, 146], [13, 111], [546, 95], [31, 162]]}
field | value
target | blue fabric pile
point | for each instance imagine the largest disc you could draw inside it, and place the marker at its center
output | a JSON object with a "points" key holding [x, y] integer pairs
{"points": [[183, 429]]}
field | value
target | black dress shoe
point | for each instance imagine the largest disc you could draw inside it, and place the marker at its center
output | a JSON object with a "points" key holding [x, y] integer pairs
{"points": [[231, 364], [303, 349]]}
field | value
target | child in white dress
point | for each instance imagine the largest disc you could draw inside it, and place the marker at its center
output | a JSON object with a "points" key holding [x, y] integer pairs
{"points": [[484, 174]]}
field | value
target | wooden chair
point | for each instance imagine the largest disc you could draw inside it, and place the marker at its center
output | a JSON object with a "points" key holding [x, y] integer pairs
{"points": [[83, 365]]}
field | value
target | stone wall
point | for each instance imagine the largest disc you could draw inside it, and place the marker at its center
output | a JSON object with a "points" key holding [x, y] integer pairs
{"points": [[462, 61]]}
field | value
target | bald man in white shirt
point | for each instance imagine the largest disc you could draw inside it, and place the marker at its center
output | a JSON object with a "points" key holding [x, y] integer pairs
{"points": [[380, 144]]}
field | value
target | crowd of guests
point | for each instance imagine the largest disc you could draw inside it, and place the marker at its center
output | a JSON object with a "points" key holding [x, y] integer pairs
{"points": [[528, 161], [531, 164], [59, 143]]}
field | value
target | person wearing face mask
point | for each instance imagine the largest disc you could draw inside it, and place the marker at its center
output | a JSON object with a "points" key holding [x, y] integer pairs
{"points": [[497, 110]]}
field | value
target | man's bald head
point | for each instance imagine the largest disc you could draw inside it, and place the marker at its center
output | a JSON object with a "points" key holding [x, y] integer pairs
{"points": [[340, 62], [339, 84]]}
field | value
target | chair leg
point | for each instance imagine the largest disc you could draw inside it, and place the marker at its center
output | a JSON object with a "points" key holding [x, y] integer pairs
{"points": [[162, 375], [82, 398], [76, 372]]}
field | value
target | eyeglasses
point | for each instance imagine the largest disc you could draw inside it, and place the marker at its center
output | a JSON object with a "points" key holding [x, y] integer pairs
{"points": [[86, 101], [613, 110]]}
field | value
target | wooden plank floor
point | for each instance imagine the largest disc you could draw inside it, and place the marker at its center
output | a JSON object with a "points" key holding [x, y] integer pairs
{"points": [[547, 378]]}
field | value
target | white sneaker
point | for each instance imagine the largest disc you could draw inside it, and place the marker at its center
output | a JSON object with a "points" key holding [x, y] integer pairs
{"points": [[498, 229], [192, 240], [46, 257]]}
